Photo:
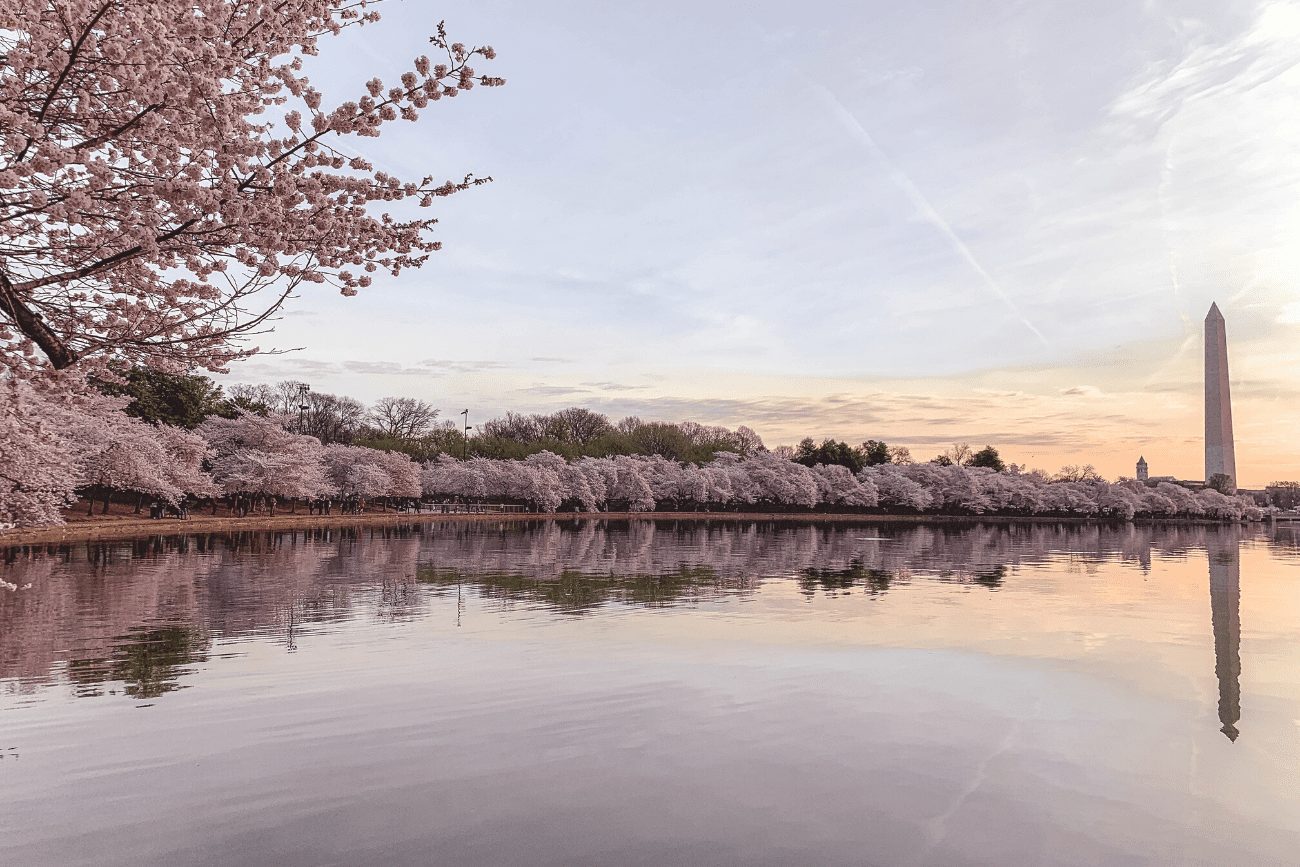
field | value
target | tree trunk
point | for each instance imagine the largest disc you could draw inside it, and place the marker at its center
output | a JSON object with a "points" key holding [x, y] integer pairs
{"points": [[139, 503], [30, 323], [108, 494], [90, 503]]}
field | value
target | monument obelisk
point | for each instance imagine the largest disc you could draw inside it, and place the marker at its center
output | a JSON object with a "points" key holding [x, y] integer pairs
{"points": [[1220, 455]]}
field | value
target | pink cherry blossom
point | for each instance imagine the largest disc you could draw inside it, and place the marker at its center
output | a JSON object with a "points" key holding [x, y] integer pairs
{"points": [[169, 175]]}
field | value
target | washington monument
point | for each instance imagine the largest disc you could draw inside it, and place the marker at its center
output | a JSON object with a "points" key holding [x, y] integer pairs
{"points": [[1220, 456]]}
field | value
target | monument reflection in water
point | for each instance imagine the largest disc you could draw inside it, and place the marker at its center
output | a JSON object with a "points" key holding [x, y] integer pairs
{"points": [[1225, 615], [654, 692]]}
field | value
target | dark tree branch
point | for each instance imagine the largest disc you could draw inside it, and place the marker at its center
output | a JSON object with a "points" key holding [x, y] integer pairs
{"points": [[30, 323]]}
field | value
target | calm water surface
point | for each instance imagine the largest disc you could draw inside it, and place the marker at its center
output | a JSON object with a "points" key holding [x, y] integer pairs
{"points": [[654, 693]]}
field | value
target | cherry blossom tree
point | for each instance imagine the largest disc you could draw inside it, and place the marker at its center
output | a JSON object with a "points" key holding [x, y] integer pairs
{"points": [[630, 487], [56, 439], [895, 489], [1184, 501], [37, 475], [545, 478], [403, 474], [252, 455], [169, 174], [186, 452], [126, 456], [1117, 501], [836, 486], [371, 473], [447, 477], [598, 475], [950, 486]]}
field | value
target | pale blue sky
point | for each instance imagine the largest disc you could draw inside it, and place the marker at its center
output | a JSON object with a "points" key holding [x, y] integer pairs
{"points": [[923, 222]]}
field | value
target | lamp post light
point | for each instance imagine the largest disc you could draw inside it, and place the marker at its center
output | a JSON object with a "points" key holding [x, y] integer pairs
{"points": [[464, 452], [303, 390]]}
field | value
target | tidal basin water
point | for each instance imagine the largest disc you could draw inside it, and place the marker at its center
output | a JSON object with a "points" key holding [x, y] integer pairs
{"points": [[655, 693]]}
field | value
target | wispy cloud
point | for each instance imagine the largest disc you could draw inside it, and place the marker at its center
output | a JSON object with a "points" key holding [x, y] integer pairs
{"points": [[923, 206], [552, 390], [461, 365], [614, 386]]}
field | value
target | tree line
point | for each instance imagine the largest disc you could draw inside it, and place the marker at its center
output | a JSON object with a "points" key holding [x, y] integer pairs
{"points": [[102, 444], [414, 427]]}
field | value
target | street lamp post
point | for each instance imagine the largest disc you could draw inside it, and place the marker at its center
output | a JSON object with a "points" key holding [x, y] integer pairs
{"points": [[464, 453], [303, 390]]}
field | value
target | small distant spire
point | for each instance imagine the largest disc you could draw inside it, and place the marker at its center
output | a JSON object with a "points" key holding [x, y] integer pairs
{"points": [[1214, 312]]}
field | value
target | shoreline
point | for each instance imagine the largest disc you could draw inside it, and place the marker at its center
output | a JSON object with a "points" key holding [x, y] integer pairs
{"points": [[106, 529]]}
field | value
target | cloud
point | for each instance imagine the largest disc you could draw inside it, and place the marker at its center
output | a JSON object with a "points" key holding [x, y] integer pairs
{"points": [[551, 390], [308, 365], [462, 365], [925, 208], [730, 411], [614, 386], [1256, 56]]}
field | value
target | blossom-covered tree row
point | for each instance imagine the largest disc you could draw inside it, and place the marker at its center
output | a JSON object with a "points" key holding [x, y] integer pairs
{"points": [[56, 443], [767, 480]]}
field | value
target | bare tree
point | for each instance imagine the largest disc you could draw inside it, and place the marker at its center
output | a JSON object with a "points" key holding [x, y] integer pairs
{"points": [[403, 418], [748, 441], [330, 418], [900, 455], [257, 399], [514, 426], [577, 425], [960, 454], [1073, 473], [285, 396]]}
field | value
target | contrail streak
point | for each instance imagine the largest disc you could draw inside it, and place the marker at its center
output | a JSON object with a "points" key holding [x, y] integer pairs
{"points": [[922, 204]]}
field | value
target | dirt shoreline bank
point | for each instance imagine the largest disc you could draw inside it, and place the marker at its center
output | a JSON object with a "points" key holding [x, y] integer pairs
{"points": [[113, 528]]}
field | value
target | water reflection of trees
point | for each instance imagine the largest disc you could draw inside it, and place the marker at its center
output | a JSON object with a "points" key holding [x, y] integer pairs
{"points": [[576, 592], [143, 613], [148, 662]]}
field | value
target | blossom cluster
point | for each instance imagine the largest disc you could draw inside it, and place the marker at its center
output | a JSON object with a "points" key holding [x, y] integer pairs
{"points": [[169, 175]]}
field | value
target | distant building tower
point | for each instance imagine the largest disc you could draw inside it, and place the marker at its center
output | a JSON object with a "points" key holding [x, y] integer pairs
{"points": [[1220, 457], [1143, 472]]}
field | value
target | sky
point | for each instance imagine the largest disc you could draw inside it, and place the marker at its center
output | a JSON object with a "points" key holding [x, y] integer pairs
{"points": [[926, 223]]}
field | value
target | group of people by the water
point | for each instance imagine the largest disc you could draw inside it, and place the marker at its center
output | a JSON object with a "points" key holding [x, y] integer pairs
{"points": [[159, 509], [351, 505]]}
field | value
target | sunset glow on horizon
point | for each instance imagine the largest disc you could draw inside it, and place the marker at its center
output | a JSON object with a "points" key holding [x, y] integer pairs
{"points": [[853, 228]]}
